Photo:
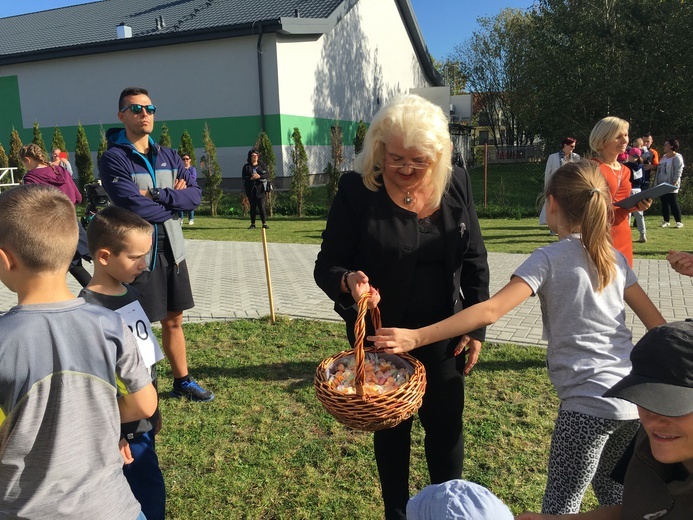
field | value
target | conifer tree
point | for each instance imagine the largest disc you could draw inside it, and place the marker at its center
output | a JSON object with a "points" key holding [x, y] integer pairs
{"points": [[299, 173], [14, 160], [83, 160], [103, 146], [267, 157], [38, 140], [334, 167], [165, 139], [4, 160], [358, 138], [186, 146], [212, 173], [58, 140]]}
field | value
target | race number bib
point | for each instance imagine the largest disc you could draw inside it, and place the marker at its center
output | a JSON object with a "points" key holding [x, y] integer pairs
{"points": [[139, 325]]}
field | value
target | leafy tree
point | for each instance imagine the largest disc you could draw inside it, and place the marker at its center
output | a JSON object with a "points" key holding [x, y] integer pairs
{"points": [[361, 130], [4, 161], [14, 160], [103, 145], [58, 140], [83, 160], [165, 139], [333, 169], [450, 69], [38, 140], [299, 172], [212, 173], [573, 74], [267, 157], [186, 146], [490, 61]]}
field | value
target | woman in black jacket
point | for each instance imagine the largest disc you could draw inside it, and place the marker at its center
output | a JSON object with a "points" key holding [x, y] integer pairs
{"points": [[406, 224], [253, 175]]}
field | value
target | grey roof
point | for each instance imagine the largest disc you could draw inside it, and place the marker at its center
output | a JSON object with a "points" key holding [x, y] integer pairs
{"points": [[91, 28]]}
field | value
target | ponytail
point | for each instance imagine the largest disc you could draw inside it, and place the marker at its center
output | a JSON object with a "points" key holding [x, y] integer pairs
{"points": [[584, 200]]}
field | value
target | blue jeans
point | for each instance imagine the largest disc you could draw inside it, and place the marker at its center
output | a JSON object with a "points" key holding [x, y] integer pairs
{"points": [[181, 215], [145, 478]]}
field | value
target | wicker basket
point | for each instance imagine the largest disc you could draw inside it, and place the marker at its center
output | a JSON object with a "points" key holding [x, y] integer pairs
{"points": [[362, 411]]}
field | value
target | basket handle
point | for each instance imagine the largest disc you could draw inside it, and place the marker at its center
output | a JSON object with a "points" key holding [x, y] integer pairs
{"points": [[360, 334]]}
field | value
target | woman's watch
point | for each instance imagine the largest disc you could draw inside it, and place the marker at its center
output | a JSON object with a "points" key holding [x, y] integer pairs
{"points": [[344, 279]]}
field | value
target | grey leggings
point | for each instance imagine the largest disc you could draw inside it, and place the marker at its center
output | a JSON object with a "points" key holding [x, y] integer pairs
{"points": [[585, 449]]}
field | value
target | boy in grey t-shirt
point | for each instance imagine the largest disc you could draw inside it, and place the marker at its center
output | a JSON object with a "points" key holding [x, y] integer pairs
{"points": [[62, 360]]}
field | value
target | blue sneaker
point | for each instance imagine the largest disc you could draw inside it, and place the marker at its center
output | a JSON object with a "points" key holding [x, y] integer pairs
{"points": [[192, 390]]}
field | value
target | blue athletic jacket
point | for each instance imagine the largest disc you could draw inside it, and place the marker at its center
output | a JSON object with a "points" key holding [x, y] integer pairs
{"points": [[124, 172]]}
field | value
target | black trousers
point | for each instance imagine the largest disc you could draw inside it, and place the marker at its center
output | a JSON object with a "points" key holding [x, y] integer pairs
{"points": [[255, 204], [670, 202], [441, 418]]}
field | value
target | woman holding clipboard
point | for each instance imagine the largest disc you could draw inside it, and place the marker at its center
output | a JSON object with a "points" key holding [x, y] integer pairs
{"points": [[608, 139]]}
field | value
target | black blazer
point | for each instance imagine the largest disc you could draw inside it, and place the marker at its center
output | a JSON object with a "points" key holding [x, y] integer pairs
{"points": [[367, 231]]}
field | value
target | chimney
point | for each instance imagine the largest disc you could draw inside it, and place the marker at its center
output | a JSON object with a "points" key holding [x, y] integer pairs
{"points": [[162, 23], [123, 31]]}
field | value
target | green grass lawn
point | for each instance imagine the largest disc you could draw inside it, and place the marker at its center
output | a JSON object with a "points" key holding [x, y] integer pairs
{"points": [[501, 235], [266, 449]]}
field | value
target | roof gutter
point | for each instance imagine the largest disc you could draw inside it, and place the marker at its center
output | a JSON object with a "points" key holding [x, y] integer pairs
{"points": [[259, 78], [417, 41], [139, 42]]}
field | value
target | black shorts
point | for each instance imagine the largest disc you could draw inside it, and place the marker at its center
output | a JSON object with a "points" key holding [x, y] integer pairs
{"points": [[166, 288]]}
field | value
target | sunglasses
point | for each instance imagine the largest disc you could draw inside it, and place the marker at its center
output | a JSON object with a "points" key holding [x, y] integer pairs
{"points": [[186, 158], [137, 109]]}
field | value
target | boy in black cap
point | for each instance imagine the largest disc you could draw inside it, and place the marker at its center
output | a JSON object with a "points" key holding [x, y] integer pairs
{"points": [[659, 480]]}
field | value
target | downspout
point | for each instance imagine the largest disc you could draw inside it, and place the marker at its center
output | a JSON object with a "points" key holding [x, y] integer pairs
{"points": [[259, 79]]}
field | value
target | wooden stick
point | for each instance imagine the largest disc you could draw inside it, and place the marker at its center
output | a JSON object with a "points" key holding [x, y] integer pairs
{"points": [[269, 278]]}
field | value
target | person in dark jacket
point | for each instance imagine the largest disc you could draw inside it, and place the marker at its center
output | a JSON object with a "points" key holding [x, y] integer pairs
{"points": [[253, 174], [406, 224], [151, 181]]}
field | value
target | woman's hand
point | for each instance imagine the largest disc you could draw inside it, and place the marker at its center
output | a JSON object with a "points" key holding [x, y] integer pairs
{"points": [[357, 283], [643, 205], [471, 348], [394, 340], [681, 262]]}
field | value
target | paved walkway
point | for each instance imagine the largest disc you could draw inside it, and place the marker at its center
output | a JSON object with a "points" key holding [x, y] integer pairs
{"points": [[229, 282]]}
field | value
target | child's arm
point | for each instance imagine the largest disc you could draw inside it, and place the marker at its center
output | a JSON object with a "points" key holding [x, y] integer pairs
{"points": [[396, 340], [637, 299], [138, 405]]}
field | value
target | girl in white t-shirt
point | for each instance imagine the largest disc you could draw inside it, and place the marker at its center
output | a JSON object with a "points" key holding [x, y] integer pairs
{"points": [[582, 282]]}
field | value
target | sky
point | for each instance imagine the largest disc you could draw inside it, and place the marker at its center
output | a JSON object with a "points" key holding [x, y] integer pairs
{"points": [[443, 23]]}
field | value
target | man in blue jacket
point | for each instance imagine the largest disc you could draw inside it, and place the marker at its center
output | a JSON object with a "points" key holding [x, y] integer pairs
{"points": [[151, 181]]}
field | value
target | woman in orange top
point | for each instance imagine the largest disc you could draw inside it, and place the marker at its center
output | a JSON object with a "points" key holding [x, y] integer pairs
{"points": [[608, 139]]}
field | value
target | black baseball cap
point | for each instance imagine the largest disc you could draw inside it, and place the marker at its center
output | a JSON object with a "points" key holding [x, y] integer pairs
{"points": [[661, 379]]}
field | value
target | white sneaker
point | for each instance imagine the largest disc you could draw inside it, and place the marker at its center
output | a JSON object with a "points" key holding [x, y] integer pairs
{"points": [[664, 224], [679, 224], [191, 222]]}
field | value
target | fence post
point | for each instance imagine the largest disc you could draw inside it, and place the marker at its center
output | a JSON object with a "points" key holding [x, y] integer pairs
{"points": [[485, 175]]}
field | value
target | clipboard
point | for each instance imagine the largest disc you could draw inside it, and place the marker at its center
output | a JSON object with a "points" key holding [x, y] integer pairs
{"points": [[649, 193]]}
